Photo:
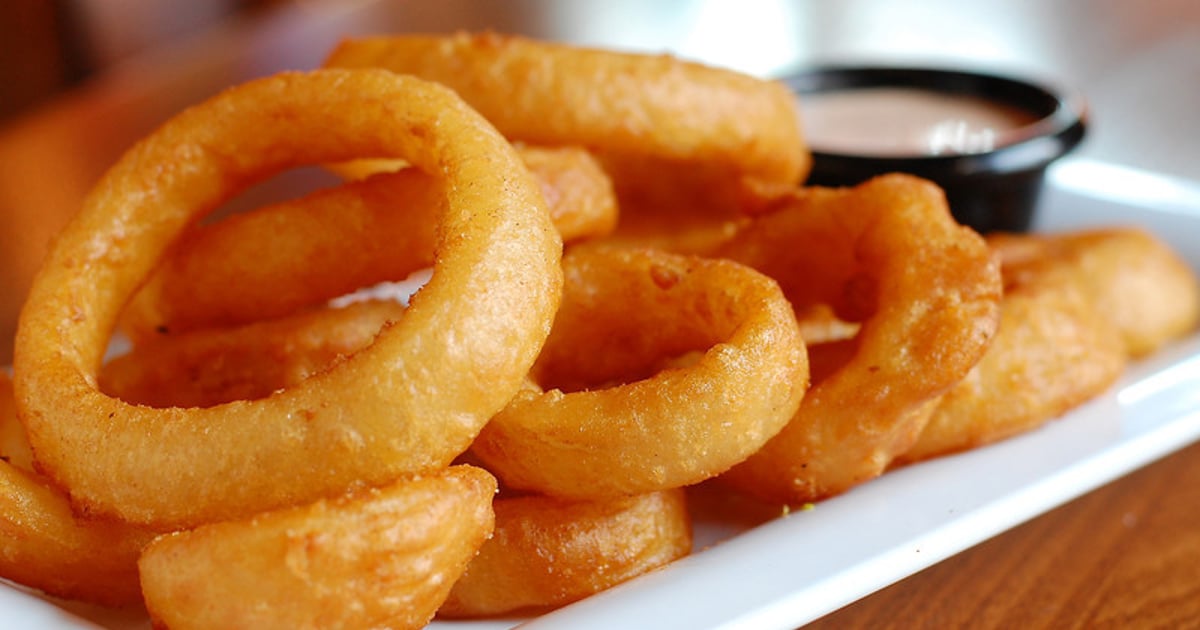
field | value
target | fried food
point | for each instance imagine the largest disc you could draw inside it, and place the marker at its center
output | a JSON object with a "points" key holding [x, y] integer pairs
{"points": [[346, 238], [1053, 351], [620, 423], [410, 402], [888, 255], [377, 558], [14, 446], [264, 457], [550, 552], [668, 207], [743, 131], [1129, 276], [1077, 307], [44, 545], [211, 366], [578, 191]]}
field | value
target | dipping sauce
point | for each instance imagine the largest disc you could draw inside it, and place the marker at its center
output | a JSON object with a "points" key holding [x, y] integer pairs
{"points": [[900, 121]]}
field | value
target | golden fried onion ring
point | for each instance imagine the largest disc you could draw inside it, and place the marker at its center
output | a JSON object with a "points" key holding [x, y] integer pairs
{"points": [[207, 367], [378, 558], [1077, 306], [887, 254], [349, 237], [608, 101], [44, 545], [1128, 274], [549, 552], [411, 401], [1053, 351], [628, 311]]}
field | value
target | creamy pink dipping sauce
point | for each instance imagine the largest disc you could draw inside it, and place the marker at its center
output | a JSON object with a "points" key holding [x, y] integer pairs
{"points": [[895, 121]]}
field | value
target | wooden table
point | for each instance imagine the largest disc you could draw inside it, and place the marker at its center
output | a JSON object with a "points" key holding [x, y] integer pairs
{"points": [[1126, 555]]}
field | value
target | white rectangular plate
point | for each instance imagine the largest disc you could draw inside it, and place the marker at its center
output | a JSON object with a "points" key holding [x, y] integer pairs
{"points": [[801, 566]]}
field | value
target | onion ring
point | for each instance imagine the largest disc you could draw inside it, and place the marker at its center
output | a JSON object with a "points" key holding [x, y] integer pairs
{"points": [[1129, 275], [1077, 306], [743, 127], [410, 402], [1053, 351], [668, 207], [926, 290], [221, 275], [207, 367], [378, 558], [548, 552], [43, 545], [628, 311]]}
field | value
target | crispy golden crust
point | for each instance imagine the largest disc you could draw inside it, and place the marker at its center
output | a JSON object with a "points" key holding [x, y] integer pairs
{"points": [[336, 241], [550, 552], [611, 102], [45, 546], [578, 191], [207, 367], [926, 290], [1052, 352], [1128, 274], [1077, 306], [411, 401], [377, 558], [571, 434], [14, 446]]}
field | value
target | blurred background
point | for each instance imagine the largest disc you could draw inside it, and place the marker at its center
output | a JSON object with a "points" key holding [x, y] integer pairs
{"points": [[82, 79]]}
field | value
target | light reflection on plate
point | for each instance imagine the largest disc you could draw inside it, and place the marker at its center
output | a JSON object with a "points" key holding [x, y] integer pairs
{"points": [[798, 567]]}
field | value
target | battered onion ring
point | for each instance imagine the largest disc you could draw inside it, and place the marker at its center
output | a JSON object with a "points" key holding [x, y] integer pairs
{"points": [[222, 275], [379, 558], [411, 401], [43, 545], [669, 207], [207, 367], [627, 311], [547, 552], [1053, 351], [1129, 276], [612, 102], [888, 254], [1077, 305]]}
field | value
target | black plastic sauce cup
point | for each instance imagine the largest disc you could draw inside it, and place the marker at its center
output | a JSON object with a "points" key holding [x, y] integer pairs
{"points": [[993, 190]]}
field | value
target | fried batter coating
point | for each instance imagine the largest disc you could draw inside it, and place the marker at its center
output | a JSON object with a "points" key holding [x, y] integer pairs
{"points": [[886, 254], [743, 131], [1077, 307], [1128, 274], [45, 545], [550, 552], [210, 366]]}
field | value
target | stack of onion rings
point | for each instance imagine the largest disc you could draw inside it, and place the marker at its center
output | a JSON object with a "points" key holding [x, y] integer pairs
{"points": [[411, 401], [263, 457]]}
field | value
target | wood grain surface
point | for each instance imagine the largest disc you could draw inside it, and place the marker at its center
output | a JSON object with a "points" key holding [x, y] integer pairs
{"points": [[1124, 556]]}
